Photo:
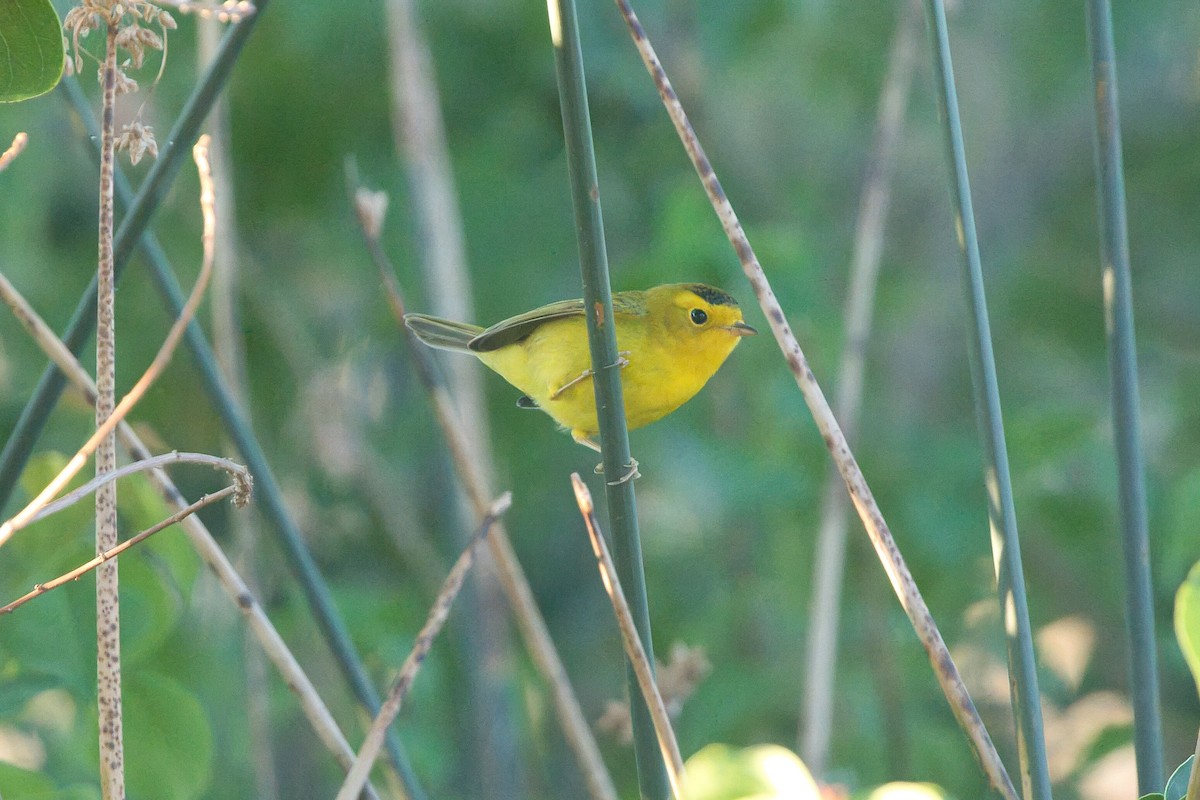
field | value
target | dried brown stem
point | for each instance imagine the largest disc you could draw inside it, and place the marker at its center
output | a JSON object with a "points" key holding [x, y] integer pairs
{"points": [[10, 155], [88, 566], [512, 577], [638, 657], [860, 493], [373, 741]]}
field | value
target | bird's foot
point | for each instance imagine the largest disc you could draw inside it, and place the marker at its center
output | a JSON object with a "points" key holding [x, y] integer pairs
{"points": [[622, 361], [631, 474]]}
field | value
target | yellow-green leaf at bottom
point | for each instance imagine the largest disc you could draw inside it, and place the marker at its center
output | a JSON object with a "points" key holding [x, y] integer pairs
{"points": [[1187, 620], [903, 790], [763, 772]]}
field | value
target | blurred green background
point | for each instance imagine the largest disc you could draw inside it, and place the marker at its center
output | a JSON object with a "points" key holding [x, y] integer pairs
{"points": [[783, 96]]}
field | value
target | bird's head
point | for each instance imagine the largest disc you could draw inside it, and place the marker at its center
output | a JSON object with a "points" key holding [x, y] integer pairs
{"points": [[698, 313]]}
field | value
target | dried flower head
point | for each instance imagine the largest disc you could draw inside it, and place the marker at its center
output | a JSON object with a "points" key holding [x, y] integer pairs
{"points": [[139, 140], [131, 36]]}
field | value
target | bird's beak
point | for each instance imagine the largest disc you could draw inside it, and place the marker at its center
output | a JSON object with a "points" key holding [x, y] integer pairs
{"points": [[740, 328]]}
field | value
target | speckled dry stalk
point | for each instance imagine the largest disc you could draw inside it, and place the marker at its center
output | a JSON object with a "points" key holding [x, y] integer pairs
{"points": [[108, 613]]}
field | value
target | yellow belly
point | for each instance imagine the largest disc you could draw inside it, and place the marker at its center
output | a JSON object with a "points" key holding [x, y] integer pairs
{"points": [[556, 353]]}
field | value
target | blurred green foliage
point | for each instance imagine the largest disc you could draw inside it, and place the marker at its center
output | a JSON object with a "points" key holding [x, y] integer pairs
{"points": [[783, 96], [33, 49]]}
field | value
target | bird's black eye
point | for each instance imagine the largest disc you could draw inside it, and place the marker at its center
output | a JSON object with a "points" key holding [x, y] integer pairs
{"points": [[699, 316]]}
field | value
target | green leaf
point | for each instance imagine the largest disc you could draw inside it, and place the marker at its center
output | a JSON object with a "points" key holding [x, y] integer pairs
{"points": [[22, 783], [1187, 620], [1152, 796], [1177, 784], [31, 49], [168, 739], [763, 772]]}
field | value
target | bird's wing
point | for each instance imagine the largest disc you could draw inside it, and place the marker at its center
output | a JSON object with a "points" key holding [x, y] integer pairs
{"points": [[514, 329]]}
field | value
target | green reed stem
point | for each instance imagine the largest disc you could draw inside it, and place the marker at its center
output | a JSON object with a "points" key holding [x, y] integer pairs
{"points": [[602, 340], [1122, 359], [1006, 548]]}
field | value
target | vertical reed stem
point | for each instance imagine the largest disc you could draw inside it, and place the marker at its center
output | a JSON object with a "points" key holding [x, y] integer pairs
{"points": [[1006, 547], [1122, 359], [602, 340]]}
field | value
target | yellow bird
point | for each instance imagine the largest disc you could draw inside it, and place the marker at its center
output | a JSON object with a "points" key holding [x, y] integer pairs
{"points": [[671, 338]]}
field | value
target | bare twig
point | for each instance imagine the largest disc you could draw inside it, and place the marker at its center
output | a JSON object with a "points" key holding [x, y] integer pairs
{"points": [[202, 541], [829, 562], [88, 566], [860, 493], [10, 155], [633, 644], [109, 423], [370, 207], [240, 475], [373, 741]]}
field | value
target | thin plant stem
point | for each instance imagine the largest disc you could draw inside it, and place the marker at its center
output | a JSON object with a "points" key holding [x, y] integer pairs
{"points": [[1006, 545], [297, 555], [1122, 359], [532, 625], [835, 440], [104, 443], [107, 422], [373, 741], [619, 466], [202, 541], [829, 561], [638, 658], [10, 155], [83, 569]]}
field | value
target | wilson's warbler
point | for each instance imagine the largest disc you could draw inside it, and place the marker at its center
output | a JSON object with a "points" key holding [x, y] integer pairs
{"points": [[672, 339]]}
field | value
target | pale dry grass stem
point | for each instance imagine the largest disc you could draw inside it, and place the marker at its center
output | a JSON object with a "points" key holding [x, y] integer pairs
{"points": [[371, 208], [10, 155], [373, 741], [638, 657]]}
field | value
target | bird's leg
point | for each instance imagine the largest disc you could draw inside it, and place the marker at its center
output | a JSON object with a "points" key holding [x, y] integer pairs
{"points": [[583, 376], [580, 438], [621, 362]]}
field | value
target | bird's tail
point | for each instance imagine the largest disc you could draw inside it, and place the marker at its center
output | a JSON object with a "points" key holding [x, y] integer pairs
{"points": [[441, 333]]}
